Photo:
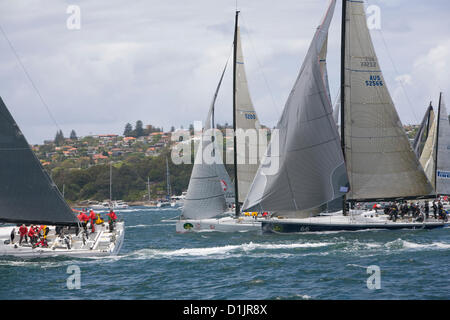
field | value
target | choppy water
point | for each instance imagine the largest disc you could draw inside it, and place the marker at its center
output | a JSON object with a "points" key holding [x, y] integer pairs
{"points": [[157, 263]]}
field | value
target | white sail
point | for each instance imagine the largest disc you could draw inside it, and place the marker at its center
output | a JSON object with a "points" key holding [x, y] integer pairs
{"points": [[205, 197], [246, 118], [380, 161], [443, 155], [311, 169], [428, 155], [224, 178]]}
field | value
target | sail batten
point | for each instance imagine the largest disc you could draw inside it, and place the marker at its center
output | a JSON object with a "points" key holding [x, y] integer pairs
{"points": [[27, 193]]}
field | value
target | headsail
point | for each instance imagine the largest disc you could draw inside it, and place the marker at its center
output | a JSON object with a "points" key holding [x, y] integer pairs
{"points": [[27, 193], [443, 151], [380, 161], [422, 132], [246, 118], [311, 169], [205, 197], [428, 154]]}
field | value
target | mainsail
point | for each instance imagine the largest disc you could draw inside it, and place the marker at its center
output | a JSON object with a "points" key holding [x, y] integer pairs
{"points": [[247, 124], [380, 161], [443, 151], [307, 157], [27, 193]]}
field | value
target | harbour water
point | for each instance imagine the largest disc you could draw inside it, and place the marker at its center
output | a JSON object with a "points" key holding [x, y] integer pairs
{"points": [[157, 263]]}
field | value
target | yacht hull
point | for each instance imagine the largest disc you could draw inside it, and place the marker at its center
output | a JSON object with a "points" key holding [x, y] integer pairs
{"points": [[304, 225], [227, 224], [101, 243]]}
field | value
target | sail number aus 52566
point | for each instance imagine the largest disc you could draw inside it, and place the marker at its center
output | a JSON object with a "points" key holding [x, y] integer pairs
{"points": [[374, 81]]}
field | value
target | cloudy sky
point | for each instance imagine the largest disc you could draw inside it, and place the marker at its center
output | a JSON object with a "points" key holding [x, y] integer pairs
{"points": [[159, 61]]}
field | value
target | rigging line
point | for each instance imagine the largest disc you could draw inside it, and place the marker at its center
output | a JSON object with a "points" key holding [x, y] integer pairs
{"points": [[398, 76], [275, 105], [29, 77]]}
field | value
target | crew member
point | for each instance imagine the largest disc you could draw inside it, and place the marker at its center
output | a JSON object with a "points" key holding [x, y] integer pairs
{"points": [[92, 217], [434, 209], [83, 219], [112, 219], [32, 235], [427, 209], [12, 235], [23, 233]]}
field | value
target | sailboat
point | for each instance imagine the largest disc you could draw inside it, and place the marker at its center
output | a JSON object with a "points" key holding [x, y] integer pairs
{"points": [[371, 159], [166, 202], [210, 184], [435, 155], [28, 195], [110, 204]]}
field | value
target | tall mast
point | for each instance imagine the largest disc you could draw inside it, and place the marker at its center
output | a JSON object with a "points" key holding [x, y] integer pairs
{"points": [[168, 179], [236, 194], [148, 188], [343, 30], [110, 183], [437, 142]]}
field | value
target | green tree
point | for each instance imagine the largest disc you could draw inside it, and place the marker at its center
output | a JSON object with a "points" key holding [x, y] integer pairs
{"points": [[59, 138], [73, 135], [128, 130], [139, 130]]}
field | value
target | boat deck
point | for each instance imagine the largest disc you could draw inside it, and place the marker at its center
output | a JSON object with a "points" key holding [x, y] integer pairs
{"points": [[102, 242]]}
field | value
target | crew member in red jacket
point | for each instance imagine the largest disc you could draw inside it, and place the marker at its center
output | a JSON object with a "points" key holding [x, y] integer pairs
{"points": [[32, 235], [112, 219], [92, 217], [23, 233], [83, 219]]}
